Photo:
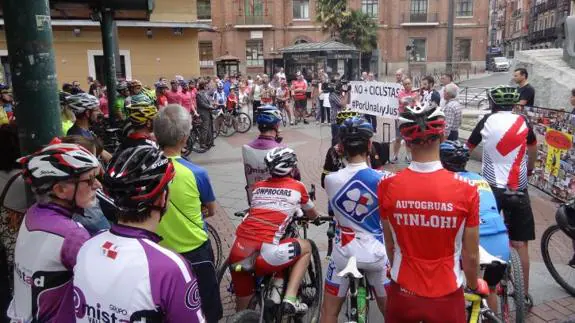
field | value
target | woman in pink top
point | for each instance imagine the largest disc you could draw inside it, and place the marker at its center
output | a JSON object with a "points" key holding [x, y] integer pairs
{"points": [[103, 102], [186, 98]]}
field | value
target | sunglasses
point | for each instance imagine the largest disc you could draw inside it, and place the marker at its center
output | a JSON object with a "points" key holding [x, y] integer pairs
{"points": [[90, 181]]}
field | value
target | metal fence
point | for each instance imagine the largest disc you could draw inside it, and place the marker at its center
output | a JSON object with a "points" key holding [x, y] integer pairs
{"points": [[473, 98]]}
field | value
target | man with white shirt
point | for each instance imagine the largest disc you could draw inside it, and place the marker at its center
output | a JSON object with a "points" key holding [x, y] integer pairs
{"points": [[446, 78]]}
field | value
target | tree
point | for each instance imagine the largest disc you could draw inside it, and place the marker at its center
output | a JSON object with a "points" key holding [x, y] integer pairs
{"points": [[332, 15]]}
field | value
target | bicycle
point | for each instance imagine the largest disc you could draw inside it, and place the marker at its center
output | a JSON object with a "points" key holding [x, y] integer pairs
{"points": [[555, 239], [199, 140], [216, 245], [309, 291], [229, 121], [282, 108], [359, 294]]}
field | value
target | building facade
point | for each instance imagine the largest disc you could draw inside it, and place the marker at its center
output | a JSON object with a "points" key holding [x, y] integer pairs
{"points": [[516, 27], [164, 45], [253, 31], [546, 23]]}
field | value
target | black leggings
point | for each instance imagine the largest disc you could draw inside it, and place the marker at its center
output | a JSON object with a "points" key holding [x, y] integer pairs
{"points": [[255, 106], [325, 111]]}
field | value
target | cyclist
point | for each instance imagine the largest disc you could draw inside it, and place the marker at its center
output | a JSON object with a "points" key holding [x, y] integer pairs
{"points": [[282, 98], [122, 101], [63, 179], [141, 120], [430, 218], [254, 153], [86, 109], [66, 114], [492, 231], [275, 201], [161, 98], [352, 197], [509, 155], [124, 275]]}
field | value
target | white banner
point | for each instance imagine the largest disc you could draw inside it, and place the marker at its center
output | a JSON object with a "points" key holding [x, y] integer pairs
{"points": [[375, 98]]}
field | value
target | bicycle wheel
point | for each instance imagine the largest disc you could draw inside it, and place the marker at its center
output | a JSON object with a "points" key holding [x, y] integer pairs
{"points": [[245, 316], [557, 248], [227, 128], [216, 245], [197, 140], [483, 104], [284, 117], [243, 122], [227, 295], [515, 275], [310, 289]]}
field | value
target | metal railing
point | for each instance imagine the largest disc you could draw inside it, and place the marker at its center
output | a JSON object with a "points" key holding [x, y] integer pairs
{"points": [[254, 20], [419, 17]]}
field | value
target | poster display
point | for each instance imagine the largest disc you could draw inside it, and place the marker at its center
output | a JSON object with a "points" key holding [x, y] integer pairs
{"points": [[555, 165], [375, 98]]}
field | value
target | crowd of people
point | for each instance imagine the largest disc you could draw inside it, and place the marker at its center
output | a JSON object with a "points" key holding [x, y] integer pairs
{"points": [[121, 235]]}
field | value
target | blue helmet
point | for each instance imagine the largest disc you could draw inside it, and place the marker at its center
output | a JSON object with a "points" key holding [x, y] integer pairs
{"points": [[268, 116], [454, 155], [355, 129]]}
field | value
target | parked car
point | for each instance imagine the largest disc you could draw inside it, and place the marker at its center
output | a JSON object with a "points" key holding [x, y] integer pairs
{"points": [[500, 64]]}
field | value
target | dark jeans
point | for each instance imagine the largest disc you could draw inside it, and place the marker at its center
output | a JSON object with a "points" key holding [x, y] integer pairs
{"points": [[255, 106], [334, 134], [325, 113], [202, 261], [453, 135]]}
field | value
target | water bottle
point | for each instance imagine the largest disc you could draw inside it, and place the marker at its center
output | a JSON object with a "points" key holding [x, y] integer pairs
{"points": [[361, 304]]}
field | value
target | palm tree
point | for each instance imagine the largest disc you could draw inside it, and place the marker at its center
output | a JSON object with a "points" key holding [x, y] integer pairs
{"points": [[332, 15]]}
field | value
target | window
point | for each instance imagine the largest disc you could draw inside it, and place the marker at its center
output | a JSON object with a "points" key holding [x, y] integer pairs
{"points": [[552, 19], [254, 8], [464, 8], [255, 52], [204, 9], [206, 54], [418, 11], [418, 52], [464, 49], [96, 64], [300, 9], [370, 7]]}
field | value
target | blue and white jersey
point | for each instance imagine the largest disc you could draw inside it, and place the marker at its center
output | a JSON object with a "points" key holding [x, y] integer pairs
{"points": [[123, 275], [493, 235], [352, 193]]}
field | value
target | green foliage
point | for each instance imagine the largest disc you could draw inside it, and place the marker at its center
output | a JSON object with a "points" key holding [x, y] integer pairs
{"points": [[348, 26]]}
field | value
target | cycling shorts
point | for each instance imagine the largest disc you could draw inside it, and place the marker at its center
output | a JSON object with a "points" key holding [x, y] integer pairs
{"points": [[272, 258], [301, 104], [375, 272], [406, 307], [518, 214]]}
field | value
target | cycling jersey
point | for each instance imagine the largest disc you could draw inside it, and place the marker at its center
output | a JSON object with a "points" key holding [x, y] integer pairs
{"points": [[505, 137], [135, 139], [173, 97], [123, 275], [428, 208], [274, 203], [254, 154], [78, 131], [492, 230], [45, 255], [352, 197], [219, 98], [182, 227]]}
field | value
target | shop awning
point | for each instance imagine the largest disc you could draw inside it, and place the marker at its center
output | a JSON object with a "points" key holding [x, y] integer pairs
{"points": [[330, 45], [227, 58]]}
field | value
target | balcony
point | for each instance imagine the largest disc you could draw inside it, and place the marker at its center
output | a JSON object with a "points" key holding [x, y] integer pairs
{"points": [[254, 14], [543, 35], [551, 4], [419, 19], [253, 21]]}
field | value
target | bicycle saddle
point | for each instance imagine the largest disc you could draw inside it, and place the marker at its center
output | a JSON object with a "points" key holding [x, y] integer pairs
{"points": [[245, 265], [350, 269], [485, 258]]}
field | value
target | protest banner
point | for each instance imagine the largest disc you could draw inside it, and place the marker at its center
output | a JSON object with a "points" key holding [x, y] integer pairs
{"points": [[375, 98]]}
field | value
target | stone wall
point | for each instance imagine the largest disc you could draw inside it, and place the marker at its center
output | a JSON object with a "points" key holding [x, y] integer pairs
{"points": [[550, 75]]}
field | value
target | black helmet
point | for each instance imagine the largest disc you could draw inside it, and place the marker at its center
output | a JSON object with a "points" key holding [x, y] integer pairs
{"points": [[136, 177], [565, 218], [454, 155]]}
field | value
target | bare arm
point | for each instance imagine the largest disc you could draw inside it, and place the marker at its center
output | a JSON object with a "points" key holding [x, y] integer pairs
{"points": [[389, 244], [532, 156], [311, 213], [106, 156], [211, 209], [471, 255], [522, 102]]}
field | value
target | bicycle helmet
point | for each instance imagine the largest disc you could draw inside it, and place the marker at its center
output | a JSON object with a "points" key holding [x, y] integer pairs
{"points": [[280, 161], [136, 177], [81, 102], [135, 83], [63, 97], [504, 96], [121, 86], [140, 114], [345, 114], [161, 85], [268, 116], [454, 155], [421, 122], [355, 130], [141, 99], [55, 163], [565, 218]]}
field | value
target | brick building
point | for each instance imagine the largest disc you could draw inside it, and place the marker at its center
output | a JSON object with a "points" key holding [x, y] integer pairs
{"points": [[546, 23], [516, 26], [253, 31]]}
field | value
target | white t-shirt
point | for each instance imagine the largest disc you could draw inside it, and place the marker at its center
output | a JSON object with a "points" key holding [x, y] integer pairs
{"points": [[325, 99]]}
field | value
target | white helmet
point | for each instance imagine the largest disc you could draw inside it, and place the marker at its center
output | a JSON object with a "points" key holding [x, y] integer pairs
{"points": [[421, 122], [281, 161], [81, 102]]}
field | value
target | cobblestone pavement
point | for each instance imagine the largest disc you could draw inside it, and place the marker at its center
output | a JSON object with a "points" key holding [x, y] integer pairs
{"points": [[224, 165]]}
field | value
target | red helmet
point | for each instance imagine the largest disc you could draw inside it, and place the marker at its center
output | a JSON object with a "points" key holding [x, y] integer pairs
{"points": [[55, 163], [420, 123]]}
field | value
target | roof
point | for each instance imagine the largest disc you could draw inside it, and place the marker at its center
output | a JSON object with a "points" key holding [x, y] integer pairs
{"points": [[330, 45], [226, 57]]}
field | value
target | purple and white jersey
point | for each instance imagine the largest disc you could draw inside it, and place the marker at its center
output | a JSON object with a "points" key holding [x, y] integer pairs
{"points": [[123, 275], [45, 254], [254, 154]]}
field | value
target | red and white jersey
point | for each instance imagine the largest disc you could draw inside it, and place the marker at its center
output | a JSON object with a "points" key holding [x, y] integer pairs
{"points": [[428, 208], [274, 203], [505, 137]]}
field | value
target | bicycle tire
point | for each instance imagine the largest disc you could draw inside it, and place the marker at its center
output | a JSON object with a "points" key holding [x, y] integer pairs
{"points": [[245, 117], [227, 128], [245, 316], [216, 245], [516, 275], [284, 117], [545, 238], [315, 274], [197, 135], [483, 104]]}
